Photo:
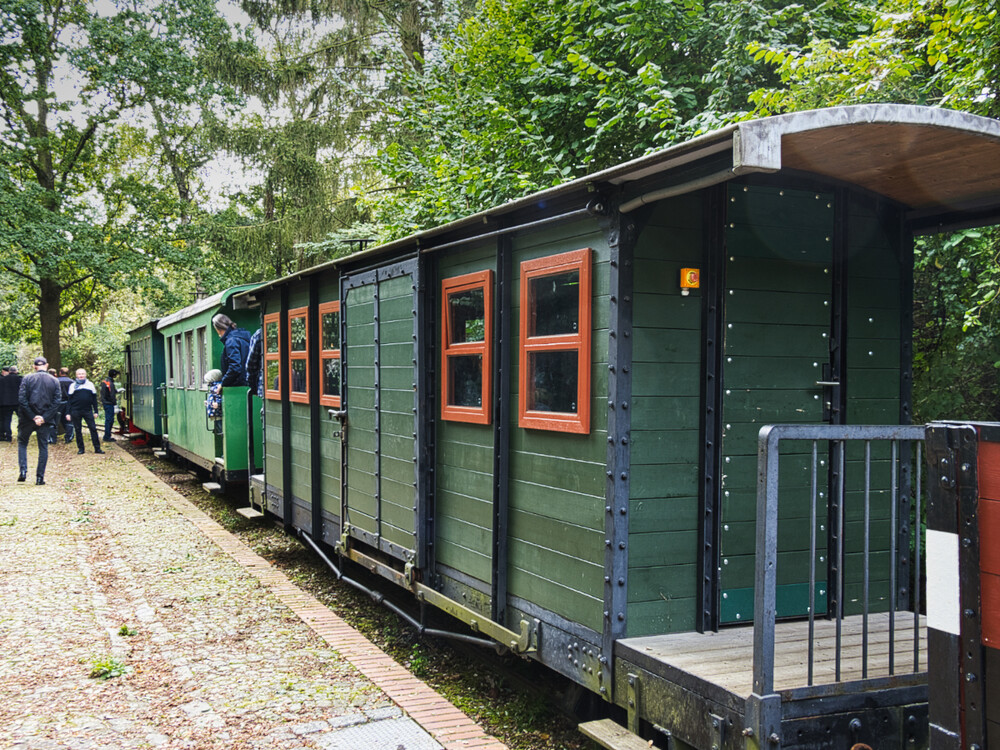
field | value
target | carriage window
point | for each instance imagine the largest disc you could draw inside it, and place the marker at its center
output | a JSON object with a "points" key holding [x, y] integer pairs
{"points": [[272, 357], [329, 354], [192, 381], [298, 352], [466, 345], [178, 350], [202, 358], [555, 306], [170, 361]]}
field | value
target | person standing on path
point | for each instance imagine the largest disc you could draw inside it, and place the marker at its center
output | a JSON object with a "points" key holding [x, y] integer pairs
{"points": [[39, 404], [10, 384], [109, 399], [83, 407], [65, 381]]}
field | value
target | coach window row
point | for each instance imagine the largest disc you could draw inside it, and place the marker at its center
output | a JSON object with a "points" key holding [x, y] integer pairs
{"points": [[554, 327], [555, 339], [187, 359], [299, 336]]}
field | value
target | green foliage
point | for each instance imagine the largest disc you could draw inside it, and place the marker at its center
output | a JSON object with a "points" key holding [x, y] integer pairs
{"points": [[531, 93], [942, 52], [956, 363], [106, 668]]}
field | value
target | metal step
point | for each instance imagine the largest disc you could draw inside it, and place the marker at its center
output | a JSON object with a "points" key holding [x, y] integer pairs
{"points": [[249, 512], [160, 454], [213, 487], [608, 733]]}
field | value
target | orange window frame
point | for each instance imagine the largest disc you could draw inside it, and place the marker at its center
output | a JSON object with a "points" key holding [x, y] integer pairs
{"points": [[269, 391], [578, 422], [299, 397], [328, 354], [471, 414]]}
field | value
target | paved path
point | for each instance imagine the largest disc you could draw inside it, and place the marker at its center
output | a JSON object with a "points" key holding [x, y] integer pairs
{"points": [[107, 568]]}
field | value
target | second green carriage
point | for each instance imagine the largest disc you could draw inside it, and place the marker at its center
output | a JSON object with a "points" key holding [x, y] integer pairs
{"points": [[190, 349]]}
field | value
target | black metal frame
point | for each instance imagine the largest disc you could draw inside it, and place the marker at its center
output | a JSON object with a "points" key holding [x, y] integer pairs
{"points": [[502, 344], [622, 234], [286, 412], [315, 413], [710, 501]]}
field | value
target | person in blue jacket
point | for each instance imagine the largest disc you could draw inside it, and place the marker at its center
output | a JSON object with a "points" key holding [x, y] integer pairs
{"points": [[235, 348], [83, 408]]}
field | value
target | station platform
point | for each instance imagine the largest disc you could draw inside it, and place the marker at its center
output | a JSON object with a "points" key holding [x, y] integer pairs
{"points": [[131, 619]]}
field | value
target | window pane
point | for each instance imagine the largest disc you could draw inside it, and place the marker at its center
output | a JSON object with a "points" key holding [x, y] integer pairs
{"points": [[271, 374], [271, 334], [465, 381], [331, 377], [467, 316], [298, 329], [554, 381], [557, 304], [331, 330], [299, 375]]}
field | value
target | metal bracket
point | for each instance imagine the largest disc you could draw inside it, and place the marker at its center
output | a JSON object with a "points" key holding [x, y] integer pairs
{"points": [[717, 731], [343, 543], [634, 702], [519, 643], [408, 573]]}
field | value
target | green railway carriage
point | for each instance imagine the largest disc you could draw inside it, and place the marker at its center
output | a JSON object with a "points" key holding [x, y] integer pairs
{"points": [[546, 419], [144, 370], [190, 349]]}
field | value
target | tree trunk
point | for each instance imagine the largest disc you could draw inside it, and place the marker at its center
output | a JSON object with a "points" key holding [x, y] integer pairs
{"points": [[50, 296]]}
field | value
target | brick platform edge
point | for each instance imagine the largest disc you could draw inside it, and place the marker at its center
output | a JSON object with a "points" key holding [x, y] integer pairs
{"points": [[449, 726]]}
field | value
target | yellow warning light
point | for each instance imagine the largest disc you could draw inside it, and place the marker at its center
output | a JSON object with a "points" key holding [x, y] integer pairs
{"points": [[690, 279]]}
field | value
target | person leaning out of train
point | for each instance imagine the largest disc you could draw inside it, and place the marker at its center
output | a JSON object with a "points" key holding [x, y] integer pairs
{"points": [[235, 349], [82, 407], [10, 384], [109, 400], [213, 402]]}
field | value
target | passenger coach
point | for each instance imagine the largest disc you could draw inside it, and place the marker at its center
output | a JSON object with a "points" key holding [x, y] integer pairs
{"points": [[543, 419]]}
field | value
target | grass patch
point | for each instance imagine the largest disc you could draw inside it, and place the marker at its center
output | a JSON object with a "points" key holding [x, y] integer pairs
{"points": [[106, 668]]}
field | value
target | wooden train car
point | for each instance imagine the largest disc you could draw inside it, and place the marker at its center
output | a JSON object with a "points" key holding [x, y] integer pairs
{"points": [[190, 349], [144, 373], [545, 420]]}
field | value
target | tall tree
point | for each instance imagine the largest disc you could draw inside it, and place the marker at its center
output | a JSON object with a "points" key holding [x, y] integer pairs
{"points": [[530, 93], [72, 72]]}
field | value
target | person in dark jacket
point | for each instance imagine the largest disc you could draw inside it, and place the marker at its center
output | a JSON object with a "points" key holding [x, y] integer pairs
{"points": [[39, 404], [83, 408], [10, 384], [255, 363], [65, 381], [235, 349], [109, 400]]}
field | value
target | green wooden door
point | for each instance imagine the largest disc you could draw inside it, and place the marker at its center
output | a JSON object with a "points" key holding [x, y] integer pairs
{"points": [[778, 301], [380, 396]]}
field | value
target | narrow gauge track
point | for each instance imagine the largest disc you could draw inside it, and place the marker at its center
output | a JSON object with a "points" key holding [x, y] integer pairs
{"points": [[518, 701]]}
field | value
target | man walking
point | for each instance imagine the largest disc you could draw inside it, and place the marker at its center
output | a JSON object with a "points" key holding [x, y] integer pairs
{"points": [[109, 399], [39, 404], [10, 384]]}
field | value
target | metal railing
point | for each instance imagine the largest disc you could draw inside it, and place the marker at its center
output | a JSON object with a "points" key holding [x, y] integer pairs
{"points": [[831, 489]]}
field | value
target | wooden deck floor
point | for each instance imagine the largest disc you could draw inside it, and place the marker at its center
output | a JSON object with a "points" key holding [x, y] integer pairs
{"points": [[726, 658]]}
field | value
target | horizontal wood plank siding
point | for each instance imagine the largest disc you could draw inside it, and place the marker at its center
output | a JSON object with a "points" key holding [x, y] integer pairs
{"points": [[464, 455], [555, 534], [666, 419]]}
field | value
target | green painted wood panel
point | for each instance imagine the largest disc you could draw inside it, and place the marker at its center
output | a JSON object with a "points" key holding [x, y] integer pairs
{"points": [[777, 327], [665, 422], [549, 564]]}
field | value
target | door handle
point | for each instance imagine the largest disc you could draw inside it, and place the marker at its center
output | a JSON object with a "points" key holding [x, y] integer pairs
{"points": [[828, 382]]}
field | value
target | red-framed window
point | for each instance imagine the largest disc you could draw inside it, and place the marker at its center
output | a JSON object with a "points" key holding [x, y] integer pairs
{"points": [[329, 354], [555, 314], [272, 356], [298, 355], [467, 347]]}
